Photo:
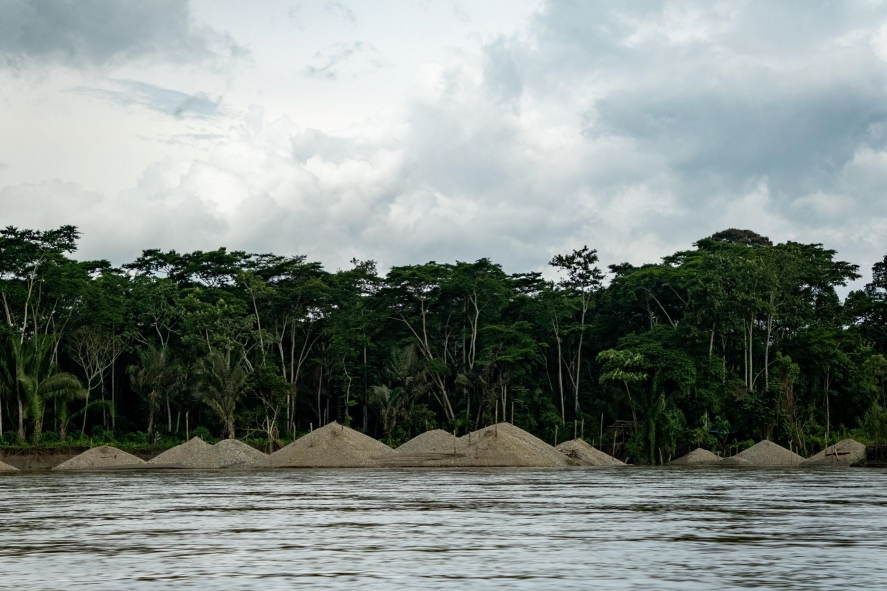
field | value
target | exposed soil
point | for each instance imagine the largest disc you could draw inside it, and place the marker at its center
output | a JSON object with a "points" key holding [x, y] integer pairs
{"points": [[7, 468], [331, 446], [767, 453], [103, 457], [843, 453], [697, 457], [587, 455]]}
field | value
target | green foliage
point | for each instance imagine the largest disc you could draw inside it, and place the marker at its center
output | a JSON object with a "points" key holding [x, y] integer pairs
{"points": [[874, 423], [734, 339]]}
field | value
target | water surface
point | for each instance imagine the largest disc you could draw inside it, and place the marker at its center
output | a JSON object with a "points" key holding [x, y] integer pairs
{"points": [[446, 529]]}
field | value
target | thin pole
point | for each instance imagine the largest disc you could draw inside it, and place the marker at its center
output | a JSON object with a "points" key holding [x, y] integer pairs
{"points": [[187, 432], [555, 435]]}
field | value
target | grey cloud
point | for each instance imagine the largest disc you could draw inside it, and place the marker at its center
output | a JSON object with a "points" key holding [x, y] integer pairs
{"points": [[643, 127], [127, 93], [3, 166], [99, 32], [331, 61], [339, 9]]}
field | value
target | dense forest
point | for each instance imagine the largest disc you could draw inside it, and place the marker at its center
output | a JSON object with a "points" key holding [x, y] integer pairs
{"points": [[736, 339]]}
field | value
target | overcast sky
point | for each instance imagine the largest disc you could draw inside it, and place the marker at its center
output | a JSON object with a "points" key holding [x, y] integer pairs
{"points": [[416, 130]]}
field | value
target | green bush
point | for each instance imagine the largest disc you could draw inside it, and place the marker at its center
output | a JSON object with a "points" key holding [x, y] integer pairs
{"points": [[874, 423]]}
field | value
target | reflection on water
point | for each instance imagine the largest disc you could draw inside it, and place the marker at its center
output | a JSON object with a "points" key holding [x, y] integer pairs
{"points": [[529, 529]]}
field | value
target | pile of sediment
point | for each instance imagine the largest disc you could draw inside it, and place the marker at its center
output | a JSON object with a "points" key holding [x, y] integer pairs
{"points": [[509, 446], [231, 453], [103, 457], [196, 453], [7, 468], [587, 455], [697, 457], [435, 441], [331, 446], [843, 453], [765, 453], [191, 454], [502, 445]]}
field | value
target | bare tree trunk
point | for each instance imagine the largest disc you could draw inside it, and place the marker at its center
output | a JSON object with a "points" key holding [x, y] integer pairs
{"points": [[767, 353], [560, 378], [21, 417], [113, 398]]}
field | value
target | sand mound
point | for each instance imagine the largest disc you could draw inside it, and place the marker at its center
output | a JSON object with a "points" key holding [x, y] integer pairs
{"points": [[231, 453], [7, 468], [585, 454], [190, 454], [100, 457], [507, 445], [767, 453], [502, 445], [196, 453], [697, 457], [843, 453], [331, 446], [435, 441]]}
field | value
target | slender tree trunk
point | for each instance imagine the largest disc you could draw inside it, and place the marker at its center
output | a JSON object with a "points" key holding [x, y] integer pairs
{"points": [[751, 349], [168, 415], [634, 416], [86, 405], [767, 353], [21, 417], [560, 378], [113, 398]]}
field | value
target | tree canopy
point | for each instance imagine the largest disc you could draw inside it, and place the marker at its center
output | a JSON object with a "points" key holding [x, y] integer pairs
{"points": [[736, 338]]}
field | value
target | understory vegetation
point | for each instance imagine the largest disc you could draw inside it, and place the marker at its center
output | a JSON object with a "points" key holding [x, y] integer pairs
{"points": [[732, 341]]}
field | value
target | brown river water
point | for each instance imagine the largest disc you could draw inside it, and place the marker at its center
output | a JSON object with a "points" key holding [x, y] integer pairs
{"points": [[629, 528]]}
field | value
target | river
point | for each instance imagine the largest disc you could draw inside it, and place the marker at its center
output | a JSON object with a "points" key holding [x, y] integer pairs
{"points": [[446, 529]]}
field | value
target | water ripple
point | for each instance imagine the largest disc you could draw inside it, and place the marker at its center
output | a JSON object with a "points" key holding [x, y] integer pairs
{"points": [[445, 529]]}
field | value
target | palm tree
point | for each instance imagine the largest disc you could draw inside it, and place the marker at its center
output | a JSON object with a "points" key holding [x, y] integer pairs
{"points": [[220, 386], [29, 368], [155, 376]]}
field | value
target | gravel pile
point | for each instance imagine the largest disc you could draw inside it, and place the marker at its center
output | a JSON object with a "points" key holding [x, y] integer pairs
{"points": [[101, 457], [509, 446], [697, 457], [191, 454], [843, 453], [231, 453], [331, 446], [435, 441], [585, 454], [7, 468], [767, 453]]}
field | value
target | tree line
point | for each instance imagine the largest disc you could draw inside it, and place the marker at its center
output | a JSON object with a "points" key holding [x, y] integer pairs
{"points": [[735, 339]]}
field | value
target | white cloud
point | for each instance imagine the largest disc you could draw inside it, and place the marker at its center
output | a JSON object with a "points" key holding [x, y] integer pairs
{"points": [[633, 128]]}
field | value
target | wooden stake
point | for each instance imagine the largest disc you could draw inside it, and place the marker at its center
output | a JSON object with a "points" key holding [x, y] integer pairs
{"points": [[512, 411], [555, 435], [454, 442], [583, 429], [574, 429], [187, 432]]}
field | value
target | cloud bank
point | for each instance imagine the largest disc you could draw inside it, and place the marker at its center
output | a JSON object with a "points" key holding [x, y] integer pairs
{"points": [[635, 128]]}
